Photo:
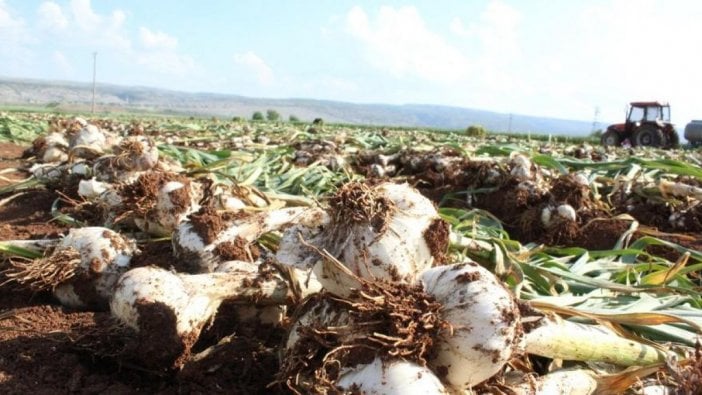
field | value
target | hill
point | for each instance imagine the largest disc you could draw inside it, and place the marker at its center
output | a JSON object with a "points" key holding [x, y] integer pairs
{"points": [[78, 96]]}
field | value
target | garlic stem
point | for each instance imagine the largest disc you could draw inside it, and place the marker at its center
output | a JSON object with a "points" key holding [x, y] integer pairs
{"points": [[194, 298], [237, 286], [680, 189], [169, 310], [39, 245], [579, 342], [459, 241]]}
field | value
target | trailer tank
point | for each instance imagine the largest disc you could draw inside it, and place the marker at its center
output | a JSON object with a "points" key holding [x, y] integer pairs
{"points": [[693, 132]]}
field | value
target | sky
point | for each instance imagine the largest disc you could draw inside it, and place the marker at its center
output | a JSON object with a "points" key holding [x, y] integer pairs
{"points": [[576, 59]]}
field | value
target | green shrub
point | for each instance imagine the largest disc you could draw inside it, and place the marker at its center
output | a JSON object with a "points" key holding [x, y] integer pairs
{"points": [[272, 115], [476, 131]]}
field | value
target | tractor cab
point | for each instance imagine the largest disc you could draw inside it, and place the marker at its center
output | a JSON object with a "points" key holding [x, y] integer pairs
{"points": [[640, 112]]}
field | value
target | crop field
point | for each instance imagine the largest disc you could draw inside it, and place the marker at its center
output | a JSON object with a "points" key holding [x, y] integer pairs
{"points": [[182, 255]]}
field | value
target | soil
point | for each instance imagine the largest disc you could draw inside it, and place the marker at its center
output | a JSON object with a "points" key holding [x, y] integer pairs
{"points": [[208, 223], [141, 198], [28, 216], [237, 250], [437, 238], [48, 349], [10, 155]]}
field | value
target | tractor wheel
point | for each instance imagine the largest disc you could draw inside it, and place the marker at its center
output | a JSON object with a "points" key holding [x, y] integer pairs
{"points": [[648, 136], [673, 139], [611, 138]]}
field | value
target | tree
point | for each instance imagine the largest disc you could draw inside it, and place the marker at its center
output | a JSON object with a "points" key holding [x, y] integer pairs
{"points": [[476, 131], [272, 115], [317, 125], [293, 119], [257, 116]]}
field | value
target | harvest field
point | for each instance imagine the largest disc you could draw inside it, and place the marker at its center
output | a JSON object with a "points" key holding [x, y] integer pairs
{"points": [[181, 255]]}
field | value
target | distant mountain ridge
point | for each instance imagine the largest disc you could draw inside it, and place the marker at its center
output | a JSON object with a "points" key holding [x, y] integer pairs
{"points": [[115, 97]]}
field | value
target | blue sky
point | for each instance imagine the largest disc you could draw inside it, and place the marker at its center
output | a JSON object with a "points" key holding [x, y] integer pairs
{"points": [[539, 57]]}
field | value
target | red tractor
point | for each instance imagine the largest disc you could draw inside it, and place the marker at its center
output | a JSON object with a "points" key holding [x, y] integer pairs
{"points": [[647, 125]]}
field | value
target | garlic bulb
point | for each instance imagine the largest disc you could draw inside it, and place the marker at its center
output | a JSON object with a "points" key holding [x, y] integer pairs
{"points": [[581, 179], [567, 212], [551, 216], [485, 321], [546, 216], [81, 169], [387, 231], [90, 135], [677, 219], [559, 382], [309, 225], [377, 170], [132, 156], [401, 248], [135, 153], [82, 268], [321, 314], [171, 210], [380, 320], [88, 142], [92, 189], [521, 167], [49, 173], [173, 202], [208, 238], [51, 148], [104, 256], [393, 377]]}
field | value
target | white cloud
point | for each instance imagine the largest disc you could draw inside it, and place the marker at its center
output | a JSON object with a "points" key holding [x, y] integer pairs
{"points": [[457, 27], [7, 20], [84, 16], [62, 63], [255, 64], [51, 16], [609, 53], [107, 33], [399, 42], [496, 32], [98, 30], [117, 18], [151, 39], [15, 39], [161, 55], [497, 28]]}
